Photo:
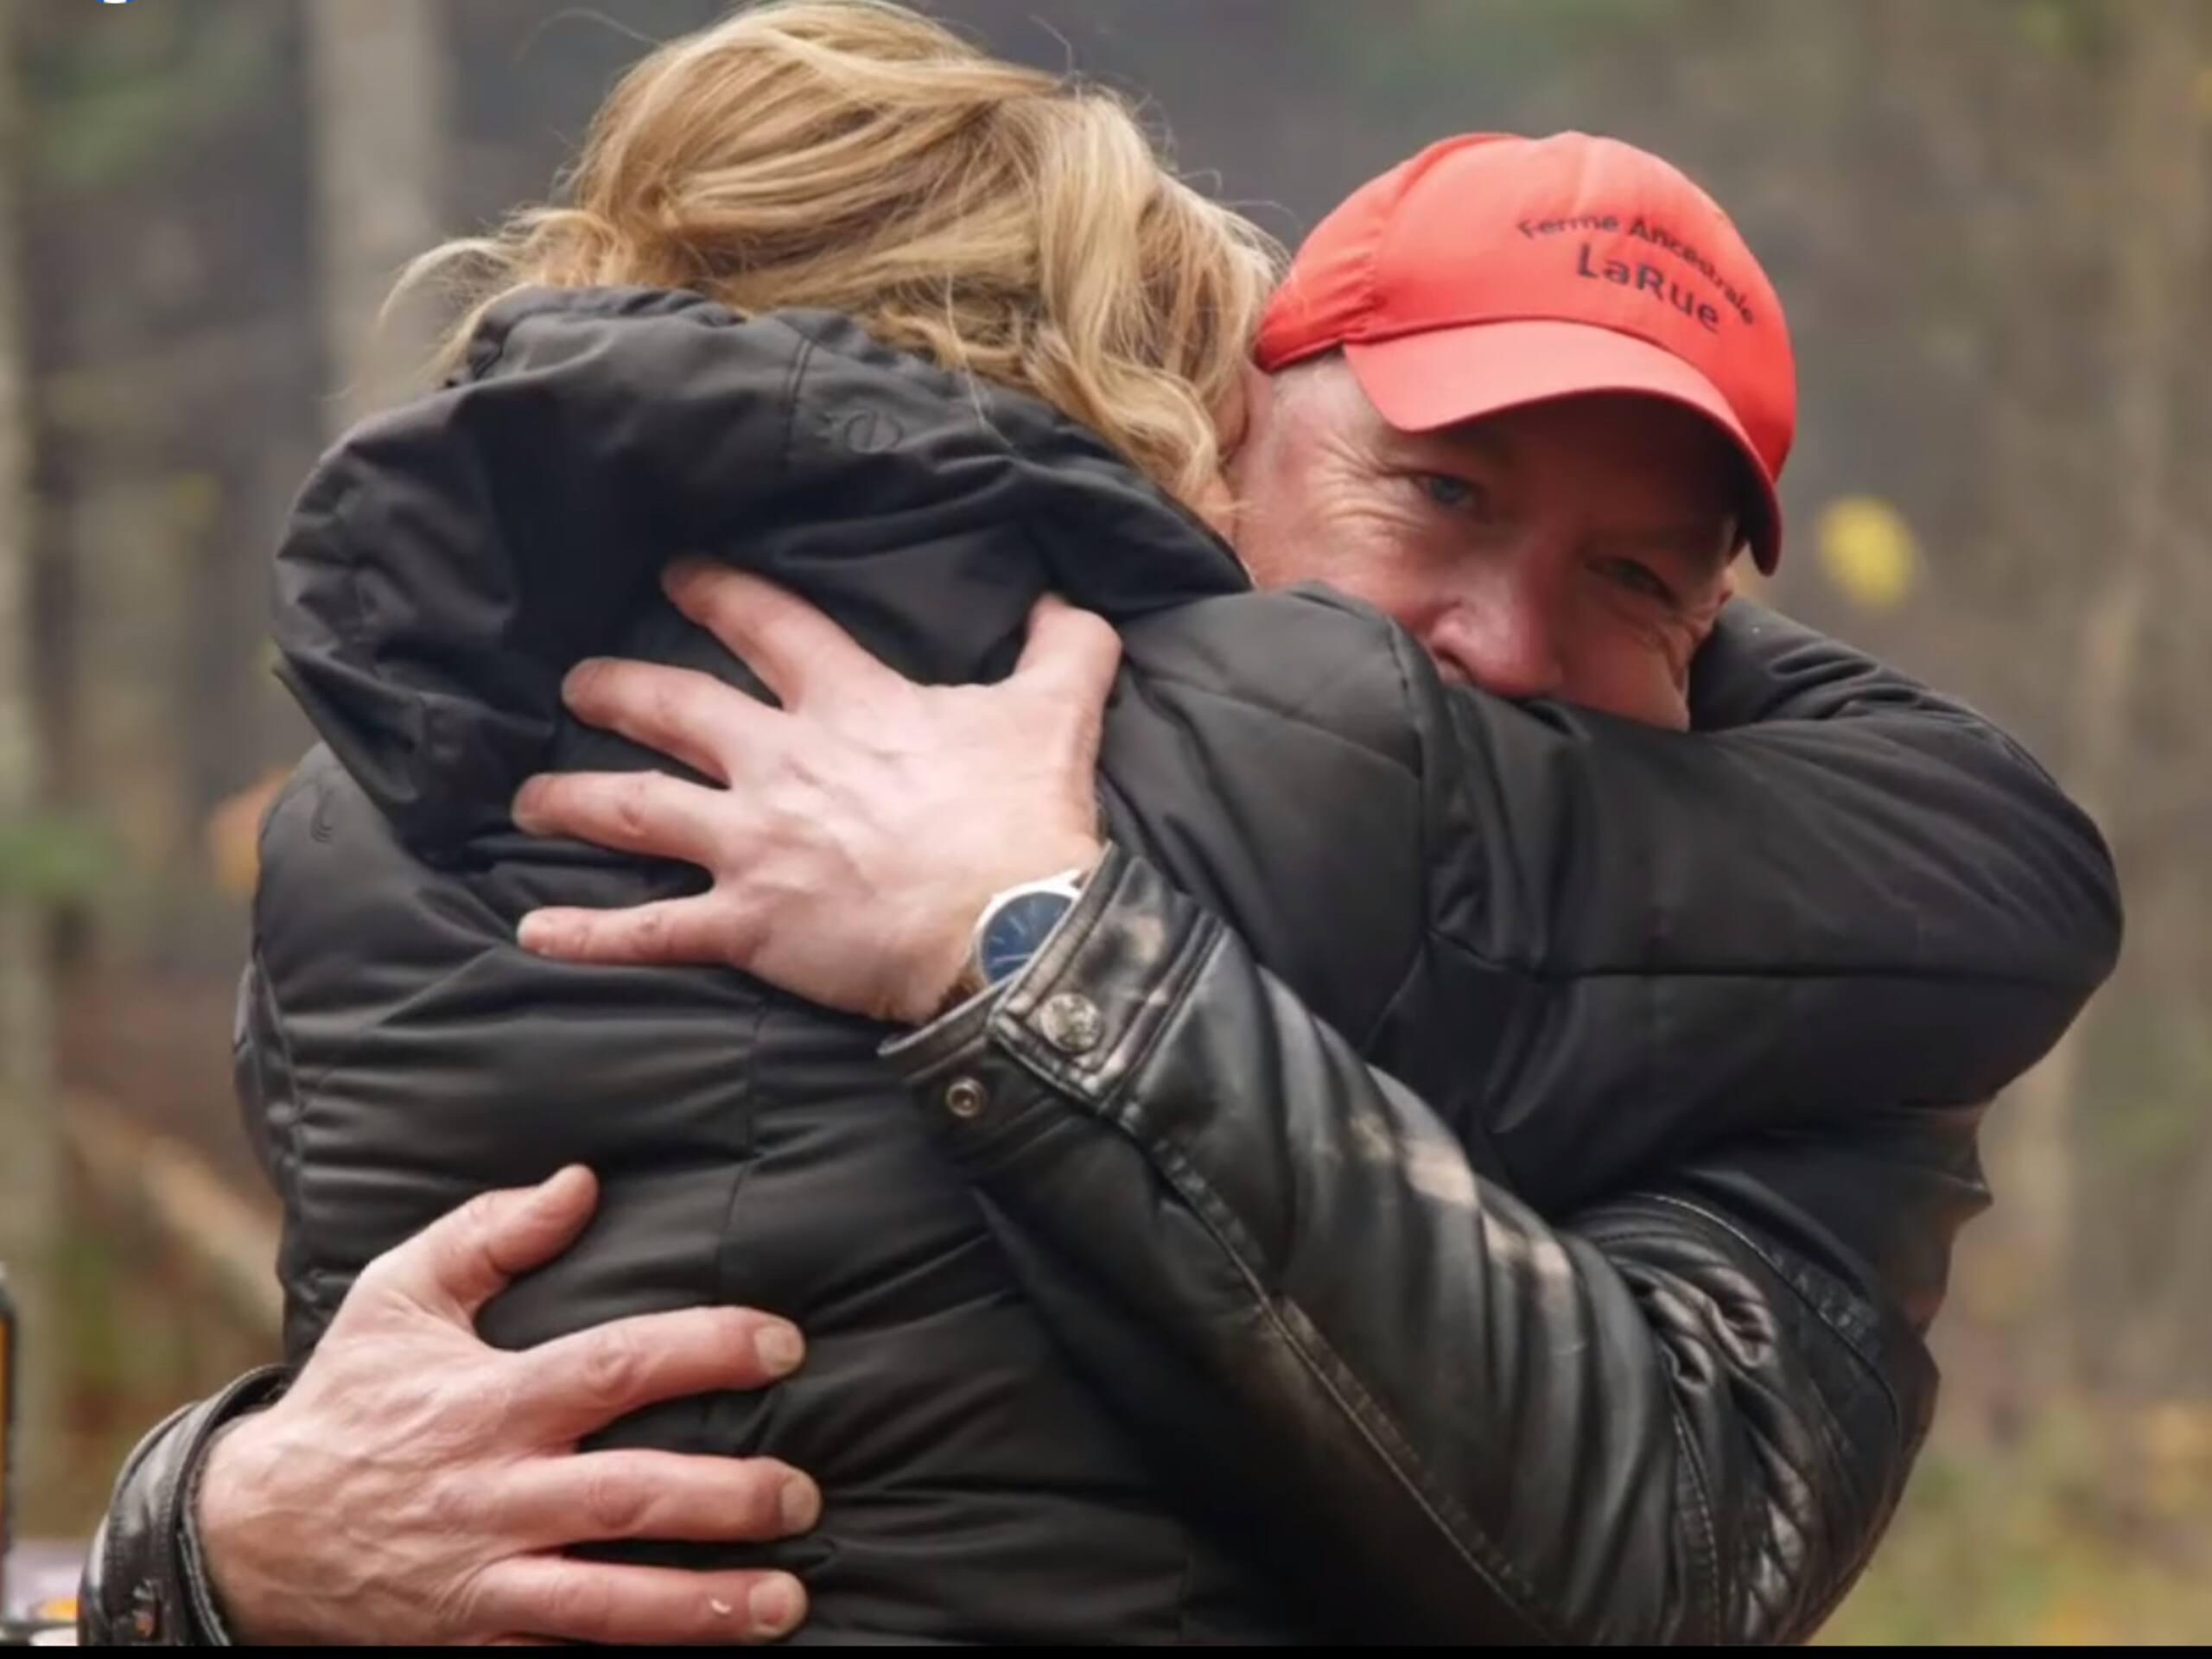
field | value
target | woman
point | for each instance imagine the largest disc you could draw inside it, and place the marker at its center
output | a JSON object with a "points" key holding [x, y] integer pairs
{"points": [[923, 336]]}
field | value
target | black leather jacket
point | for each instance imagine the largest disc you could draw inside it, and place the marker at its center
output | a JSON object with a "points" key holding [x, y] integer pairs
{"points": [[1467, 1171]]}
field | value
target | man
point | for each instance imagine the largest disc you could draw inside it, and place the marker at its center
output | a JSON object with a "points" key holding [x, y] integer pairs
{"points": [[1680, 1415]]}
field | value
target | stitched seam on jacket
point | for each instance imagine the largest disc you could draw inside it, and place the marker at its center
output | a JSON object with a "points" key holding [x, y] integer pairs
{"points": [[794, 390], [1305, 1340], [1365, 1045], [1697, 1499], [1417, 957], [718, 1268]]}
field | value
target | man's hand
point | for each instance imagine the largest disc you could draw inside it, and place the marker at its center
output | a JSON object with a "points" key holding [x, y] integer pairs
{"points": [[864, 825], [415, 1487]]}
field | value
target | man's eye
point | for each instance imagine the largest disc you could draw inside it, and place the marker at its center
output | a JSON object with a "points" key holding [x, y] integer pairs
{"points": [[1454, 493], [1639, 579]]}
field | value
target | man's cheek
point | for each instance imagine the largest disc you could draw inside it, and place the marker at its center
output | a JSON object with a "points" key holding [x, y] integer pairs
{"points": [[1670, 643], [1357, 552], [1640, 674]]}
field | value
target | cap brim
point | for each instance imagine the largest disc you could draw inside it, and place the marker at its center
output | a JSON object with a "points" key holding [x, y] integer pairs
{"points": [[1420, 383]]}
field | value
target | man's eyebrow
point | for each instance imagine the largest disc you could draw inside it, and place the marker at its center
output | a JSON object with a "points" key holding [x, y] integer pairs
{"points": [[1476, 441], [1481, 434]]}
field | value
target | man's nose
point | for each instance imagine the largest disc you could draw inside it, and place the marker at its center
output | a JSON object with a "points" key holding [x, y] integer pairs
{"points": [[1507, 637]]}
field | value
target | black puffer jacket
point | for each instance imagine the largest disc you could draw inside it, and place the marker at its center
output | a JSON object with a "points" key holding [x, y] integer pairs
{"points": [[1595, 951]]}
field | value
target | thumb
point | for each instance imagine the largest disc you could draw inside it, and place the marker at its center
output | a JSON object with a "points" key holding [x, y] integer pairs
{"points": [[1072, 651], [459, 1262]]}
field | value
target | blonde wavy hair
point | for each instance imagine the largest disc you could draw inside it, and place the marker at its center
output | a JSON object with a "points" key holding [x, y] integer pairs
{"points": [[855, 155]]}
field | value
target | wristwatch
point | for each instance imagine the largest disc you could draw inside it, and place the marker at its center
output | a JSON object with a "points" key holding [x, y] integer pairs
{"points": [[1013, 929]]}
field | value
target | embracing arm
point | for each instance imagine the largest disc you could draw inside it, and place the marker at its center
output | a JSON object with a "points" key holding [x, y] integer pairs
{"points": [[1499, 1406], [410, 1485], [1633, 1351], [1841, 888], [1684, 1416]]}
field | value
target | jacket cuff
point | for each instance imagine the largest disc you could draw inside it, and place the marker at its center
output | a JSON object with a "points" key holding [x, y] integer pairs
{"points": [[146, 1583], [1078, 1023]]}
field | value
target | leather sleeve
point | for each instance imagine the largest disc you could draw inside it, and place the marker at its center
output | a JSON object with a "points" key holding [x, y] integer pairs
{"points": [[1626, 1345], [1683, 1415], [145, 1584]]}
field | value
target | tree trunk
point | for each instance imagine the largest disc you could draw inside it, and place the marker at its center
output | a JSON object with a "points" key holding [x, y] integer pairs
{"points": [[2156, 179], [29, 1132], [378, 76]]}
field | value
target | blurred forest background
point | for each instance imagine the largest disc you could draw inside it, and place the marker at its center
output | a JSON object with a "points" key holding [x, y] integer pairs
{"points": [[1988, 219]]}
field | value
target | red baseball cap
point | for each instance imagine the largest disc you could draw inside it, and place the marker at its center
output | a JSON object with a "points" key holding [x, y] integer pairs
{"points": [[1493, 270]]}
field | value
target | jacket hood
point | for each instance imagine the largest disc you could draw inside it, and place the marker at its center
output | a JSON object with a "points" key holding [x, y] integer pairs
{"points": [[448, 562]]}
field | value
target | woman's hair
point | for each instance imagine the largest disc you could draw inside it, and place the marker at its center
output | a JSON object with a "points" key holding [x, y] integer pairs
{"points": [[852, 155]]}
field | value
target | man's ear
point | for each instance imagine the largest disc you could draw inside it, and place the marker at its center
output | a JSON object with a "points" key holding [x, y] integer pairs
{"points": [[1247, 411], [1216, 507], [1255, 407]]}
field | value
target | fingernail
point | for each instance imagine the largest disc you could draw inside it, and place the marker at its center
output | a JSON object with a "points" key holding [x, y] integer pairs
{"points": [[562, 1181], [524, 810], [776, 1605], [780, 1349], [530, 935], [573, 680], [802, 1505]]}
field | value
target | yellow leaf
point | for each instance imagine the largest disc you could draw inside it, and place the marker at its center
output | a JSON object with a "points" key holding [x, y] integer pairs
{"points": [[1868, 551], [2074, 1622], [195, 499]]}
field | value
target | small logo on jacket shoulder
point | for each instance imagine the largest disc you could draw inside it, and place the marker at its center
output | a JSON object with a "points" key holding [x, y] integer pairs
{"points": [[870, 432]]}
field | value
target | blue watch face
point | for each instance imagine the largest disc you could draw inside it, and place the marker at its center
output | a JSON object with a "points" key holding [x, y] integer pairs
{"points": [[1017, 931]]}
